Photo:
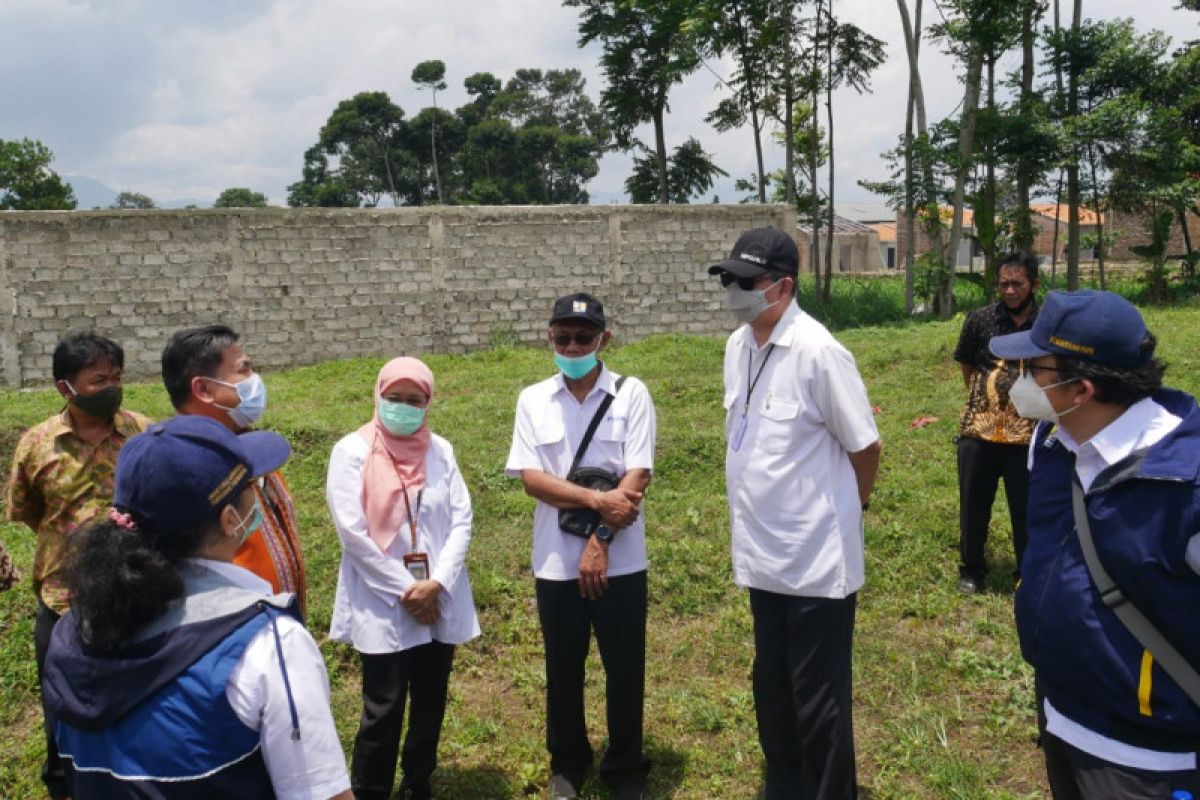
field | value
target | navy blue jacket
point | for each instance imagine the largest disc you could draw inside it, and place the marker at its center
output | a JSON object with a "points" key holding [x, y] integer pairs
{"points": [[1143, 511], [153, 720]]}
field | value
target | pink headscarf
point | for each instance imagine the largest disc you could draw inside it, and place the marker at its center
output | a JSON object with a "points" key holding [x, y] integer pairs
{"points": [[395, 462]]}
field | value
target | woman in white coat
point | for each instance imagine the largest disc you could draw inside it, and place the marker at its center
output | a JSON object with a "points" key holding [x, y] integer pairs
{"points": [[403, 601]]}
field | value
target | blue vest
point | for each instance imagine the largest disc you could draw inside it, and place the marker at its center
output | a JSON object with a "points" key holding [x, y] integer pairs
{"points": [[153, 720], [1143, 511]]}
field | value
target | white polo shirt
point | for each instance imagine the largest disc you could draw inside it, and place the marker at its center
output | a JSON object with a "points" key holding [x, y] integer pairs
{"points": [[550, 424], [794, 512]]}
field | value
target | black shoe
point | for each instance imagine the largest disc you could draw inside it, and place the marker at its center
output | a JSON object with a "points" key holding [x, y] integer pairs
{"points": [[631, 790], [968, 585], [421, 792]]}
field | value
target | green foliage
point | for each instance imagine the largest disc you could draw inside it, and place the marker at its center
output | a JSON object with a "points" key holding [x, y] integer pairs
{"points": [[240, 197], [26, 181], [690, 173], [132, 200], [430, 75]]}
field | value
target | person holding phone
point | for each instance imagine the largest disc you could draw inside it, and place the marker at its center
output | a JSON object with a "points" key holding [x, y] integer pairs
{"points": [[403, 599]]}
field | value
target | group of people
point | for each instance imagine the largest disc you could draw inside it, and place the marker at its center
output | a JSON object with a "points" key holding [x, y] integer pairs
{"points": [[169, 635]]}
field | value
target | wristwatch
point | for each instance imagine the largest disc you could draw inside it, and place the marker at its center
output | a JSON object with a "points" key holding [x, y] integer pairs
{"points": [[604, 533]]}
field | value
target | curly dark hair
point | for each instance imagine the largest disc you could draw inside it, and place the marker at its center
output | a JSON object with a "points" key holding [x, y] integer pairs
{"points": [[121, 580], [1121, 386]]}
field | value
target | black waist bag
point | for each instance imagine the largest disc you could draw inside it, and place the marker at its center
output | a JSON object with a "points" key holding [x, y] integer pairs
{"points": [[584, 521]]}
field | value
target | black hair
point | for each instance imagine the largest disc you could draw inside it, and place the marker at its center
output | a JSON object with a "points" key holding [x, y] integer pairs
{"points": [[193, 352], [122, 580], [81, 349], [1023, 259], [1121, 386]]}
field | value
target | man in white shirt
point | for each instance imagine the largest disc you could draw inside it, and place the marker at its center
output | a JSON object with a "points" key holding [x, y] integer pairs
{"points": [[1115, 723], [596, 581], [802, 456]]}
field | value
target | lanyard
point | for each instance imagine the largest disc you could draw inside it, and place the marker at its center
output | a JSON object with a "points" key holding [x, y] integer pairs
{"points": [[412, 520], [753, 383]]}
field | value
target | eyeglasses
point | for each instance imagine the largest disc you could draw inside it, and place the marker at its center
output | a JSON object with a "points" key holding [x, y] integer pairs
{"points": [[581, 338], [746, 284], [1029, 368]]}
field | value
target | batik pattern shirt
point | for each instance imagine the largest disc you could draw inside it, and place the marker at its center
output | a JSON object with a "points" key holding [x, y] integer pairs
{"points": [[989, 414], [58, 482]]}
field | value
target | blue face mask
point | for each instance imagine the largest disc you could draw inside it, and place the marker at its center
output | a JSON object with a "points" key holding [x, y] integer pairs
{"points": [[575, 368], [252, 400], [252, 521], [400, 419]]}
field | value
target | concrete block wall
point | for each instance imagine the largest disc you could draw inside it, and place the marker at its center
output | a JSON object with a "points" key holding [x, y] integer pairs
{"points": [[310, 285]]}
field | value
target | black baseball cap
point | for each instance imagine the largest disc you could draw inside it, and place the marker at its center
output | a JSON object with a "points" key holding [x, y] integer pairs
{"points": [[758, 251], [580, 305]]}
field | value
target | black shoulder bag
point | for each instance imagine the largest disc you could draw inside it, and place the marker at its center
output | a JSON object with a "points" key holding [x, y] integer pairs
{"points": [[584, 521]]}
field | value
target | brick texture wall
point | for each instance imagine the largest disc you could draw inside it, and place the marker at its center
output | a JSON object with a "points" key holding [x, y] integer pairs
{"points": [[309, 285]]}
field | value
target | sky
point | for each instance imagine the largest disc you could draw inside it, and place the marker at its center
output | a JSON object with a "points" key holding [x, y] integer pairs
{"points": [[183, 98]]}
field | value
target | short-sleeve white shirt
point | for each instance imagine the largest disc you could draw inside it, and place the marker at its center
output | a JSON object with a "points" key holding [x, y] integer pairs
{"points": [[794, 510], [312, 766], [550, 424], [367, 612]]}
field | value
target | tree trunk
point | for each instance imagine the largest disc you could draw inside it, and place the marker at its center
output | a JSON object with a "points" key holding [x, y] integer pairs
{"points": [[1023, 237], [387, 167], [437, 177], [1073, 189], [990, 258], [758, 154], [910, 244], [966, 142], [1096, 207], [789, 149], [660, 155], [1054, 245], [827, 290], [813, 147], [912, 43]]}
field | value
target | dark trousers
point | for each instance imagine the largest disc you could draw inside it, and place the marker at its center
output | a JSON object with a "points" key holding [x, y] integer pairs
{"points": [[981, 465], [618, 618], [802, 695], [421, 674], [52, 771], [1075, 775]]}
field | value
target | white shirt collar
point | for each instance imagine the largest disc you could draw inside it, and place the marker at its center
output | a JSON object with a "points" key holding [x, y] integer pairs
{"points": [[604, 381], [783, 332], [239, 577]]}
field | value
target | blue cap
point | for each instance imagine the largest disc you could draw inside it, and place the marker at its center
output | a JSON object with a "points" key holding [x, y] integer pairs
{"points": [[1088, 325], [179, 474]]}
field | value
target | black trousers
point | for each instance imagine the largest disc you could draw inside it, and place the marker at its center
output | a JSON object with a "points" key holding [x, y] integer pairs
{"points": [[618, 618], [1075, 775], [52, 771], [421, 674], [981, 465], [802, 695]]}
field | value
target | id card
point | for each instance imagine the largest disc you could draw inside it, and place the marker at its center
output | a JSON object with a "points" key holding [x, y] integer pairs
{"points": [[739, 433], [418, 565]]}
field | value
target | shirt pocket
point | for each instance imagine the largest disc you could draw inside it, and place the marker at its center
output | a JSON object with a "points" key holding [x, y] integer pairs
{"points": [[778, 423], [550, 438], [730, 413]]}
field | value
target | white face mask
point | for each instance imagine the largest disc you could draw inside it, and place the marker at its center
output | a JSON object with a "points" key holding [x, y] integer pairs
{"points": [[1031, 402], [747, 305]]}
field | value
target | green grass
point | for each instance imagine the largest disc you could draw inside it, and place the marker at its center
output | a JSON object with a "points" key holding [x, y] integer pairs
{"points": [[943, 702]]}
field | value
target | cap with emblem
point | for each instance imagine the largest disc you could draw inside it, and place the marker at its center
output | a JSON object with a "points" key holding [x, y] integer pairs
{"points": [[760, 250], [1088, 325], [580, 305], [179, 474]]}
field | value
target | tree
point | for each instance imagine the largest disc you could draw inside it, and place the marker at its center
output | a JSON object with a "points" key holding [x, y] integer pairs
{"points": [[691, 173], [363, 133], [132, 200], [321, 186], [240, 197], [26, 181], [647, 48], [431, 75]]}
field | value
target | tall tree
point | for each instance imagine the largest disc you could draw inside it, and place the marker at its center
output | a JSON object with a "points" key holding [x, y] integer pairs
{"points": [[692, 172], [240, 197], [647, 47], [431, 75], [364, 131], [26, 181]]}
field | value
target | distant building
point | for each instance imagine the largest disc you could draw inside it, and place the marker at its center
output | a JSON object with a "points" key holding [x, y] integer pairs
{"points": [[856, 246]]}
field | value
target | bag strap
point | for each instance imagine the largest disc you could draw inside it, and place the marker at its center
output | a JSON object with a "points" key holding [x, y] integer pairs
{"points": [[595, 423], [1142, 629]]}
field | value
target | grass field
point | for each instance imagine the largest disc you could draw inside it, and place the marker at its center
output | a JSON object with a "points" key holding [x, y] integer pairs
{"points": [[943, 702]]}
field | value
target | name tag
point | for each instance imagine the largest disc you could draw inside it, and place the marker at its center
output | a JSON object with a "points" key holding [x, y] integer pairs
{"points": [[739, 433]]}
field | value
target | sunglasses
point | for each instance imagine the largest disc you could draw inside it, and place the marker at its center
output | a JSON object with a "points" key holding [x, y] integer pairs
{"points": [[746, 284], [581, 338]]}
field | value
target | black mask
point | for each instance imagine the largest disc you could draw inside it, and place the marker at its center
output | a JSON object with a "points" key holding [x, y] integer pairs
{"points": [[102, 404]]}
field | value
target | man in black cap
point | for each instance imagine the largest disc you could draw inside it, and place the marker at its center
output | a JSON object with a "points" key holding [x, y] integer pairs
{"points": [[589, 562], [1106, 607], [801, 459]]}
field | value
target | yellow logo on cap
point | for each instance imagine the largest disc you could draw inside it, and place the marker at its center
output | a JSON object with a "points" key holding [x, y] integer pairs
{"points": [[218, 495], [579, 307], [1075, 348]]}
